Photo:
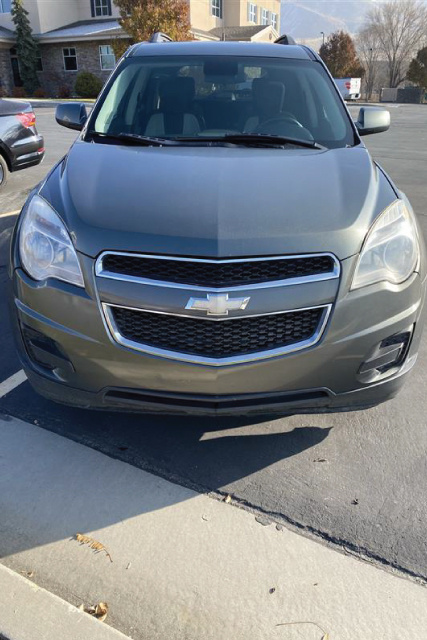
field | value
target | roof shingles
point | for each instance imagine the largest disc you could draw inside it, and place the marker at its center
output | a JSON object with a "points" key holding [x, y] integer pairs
{"points": [[238, 33], [84, 29]]}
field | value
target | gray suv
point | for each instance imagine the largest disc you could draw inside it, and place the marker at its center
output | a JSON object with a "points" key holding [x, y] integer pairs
{"points": [[218, 240]]}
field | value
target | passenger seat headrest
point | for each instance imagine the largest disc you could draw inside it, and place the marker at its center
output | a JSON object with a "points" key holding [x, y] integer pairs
{"points": [[177, 94]]}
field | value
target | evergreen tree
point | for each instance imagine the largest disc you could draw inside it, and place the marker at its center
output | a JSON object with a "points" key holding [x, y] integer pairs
{"points": [[26, 47], [417, 72]]}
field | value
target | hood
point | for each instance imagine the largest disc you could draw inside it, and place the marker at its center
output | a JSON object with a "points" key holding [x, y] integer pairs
{"points": [[217, 201]]}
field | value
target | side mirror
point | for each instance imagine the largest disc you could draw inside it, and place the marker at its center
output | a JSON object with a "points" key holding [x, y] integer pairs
{"points": [[72, 115], [372, 120]]}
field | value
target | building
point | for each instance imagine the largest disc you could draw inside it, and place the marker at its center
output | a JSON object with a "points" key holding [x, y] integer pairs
{"points": [[235, 19], [76, 35]]}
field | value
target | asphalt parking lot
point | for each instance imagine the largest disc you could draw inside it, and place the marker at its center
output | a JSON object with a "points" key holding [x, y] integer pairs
{"points": [[357, 480]]}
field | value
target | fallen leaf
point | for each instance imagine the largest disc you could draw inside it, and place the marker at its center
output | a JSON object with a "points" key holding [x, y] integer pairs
{"points": [[93, 544], [326, 636], [272, 590], [320, 460], [81, 607], [228, 498], [98, 611], [28, 574], [129, 565], [101, 611], [355, 501]]}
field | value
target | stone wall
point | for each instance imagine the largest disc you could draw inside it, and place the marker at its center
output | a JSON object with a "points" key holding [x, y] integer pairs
{"points": [[6, 77], [57, 82]]}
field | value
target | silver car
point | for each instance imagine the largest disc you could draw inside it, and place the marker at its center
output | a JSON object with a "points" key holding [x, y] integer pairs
{"points": [[218, 240]]}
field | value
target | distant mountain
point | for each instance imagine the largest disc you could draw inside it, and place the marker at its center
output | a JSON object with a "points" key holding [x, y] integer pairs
{"points": [[305, 19]]}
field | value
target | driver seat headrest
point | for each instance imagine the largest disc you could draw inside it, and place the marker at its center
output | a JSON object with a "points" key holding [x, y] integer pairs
{"points": [[268, 97]]}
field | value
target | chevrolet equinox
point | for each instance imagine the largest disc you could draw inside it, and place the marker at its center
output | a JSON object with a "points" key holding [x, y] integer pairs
{"points": [[218, 240]]}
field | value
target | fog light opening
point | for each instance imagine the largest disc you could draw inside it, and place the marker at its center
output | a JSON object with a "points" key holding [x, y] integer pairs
{"points": [[45, 352], [387, 357]]}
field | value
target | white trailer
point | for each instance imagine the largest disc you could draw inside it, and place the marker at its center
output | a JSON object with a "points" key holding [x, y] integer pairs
{"points": [[349, 88]]}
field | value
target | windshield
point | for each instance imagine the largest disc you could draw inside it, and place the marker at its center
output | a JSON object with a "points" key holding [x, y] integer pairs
{"points": [[216, 96]]}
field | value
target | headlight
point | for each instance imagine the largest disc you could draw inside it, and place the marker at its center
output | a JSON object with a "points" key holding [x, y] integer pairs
{"points": [[45, 246], [391, 250]]}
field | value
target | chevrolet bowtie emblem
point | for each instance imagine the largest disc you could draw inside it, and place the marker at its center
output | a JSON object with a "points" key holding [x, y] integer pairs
{"points": [[217, 304]]}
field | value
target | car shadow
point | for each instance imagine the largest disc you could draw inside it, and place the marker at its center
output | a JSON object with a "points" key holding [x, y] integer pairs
{"points": [[207, 455]]}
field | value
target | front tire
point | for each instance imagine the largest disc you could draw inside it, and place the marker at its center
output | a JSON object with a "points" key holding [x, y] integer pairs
{"points": [[4, 172]]}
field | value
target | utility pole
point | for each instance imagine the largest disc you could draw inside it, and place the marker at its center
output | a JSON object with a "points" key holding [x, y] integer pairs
{"points": [[322, 33]]}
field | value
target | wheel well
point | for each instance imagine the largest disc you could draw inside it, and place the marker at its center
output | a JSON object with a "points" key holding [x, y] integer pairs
{"points": [[6, 158]]}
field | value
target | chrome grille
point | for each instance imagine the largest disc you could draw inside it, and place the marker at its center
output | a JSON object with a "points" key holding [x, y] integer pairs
{"points": [[214, 274], [218, 342], [150, 311]]}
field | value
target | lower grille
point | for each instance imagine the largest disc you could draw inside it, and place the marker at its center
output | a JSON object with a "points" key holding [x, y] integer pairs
{"points": [[131, 397], [217, 340]]}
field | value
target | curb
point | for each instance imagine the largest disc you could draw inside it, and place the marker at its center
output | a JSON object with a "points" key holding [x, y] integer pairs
{"points": [[29, 611], [50, 102], [54, 103]]}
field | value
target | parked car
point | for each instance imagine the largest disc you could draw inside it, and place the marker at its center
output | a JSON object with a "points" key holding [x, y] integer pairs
{"points": [[20, 144], [349, 88], [191, 255]]}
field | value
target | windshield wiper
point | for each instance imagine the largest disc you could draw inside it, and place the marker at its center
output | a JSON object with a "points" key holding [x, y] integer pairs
{"points": [[134, 138], [253, 140], [267, 139], [246, 139]]}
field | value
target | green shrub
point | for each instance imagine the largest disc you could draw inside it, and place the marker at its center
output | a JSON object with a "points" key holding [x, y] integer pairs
{"points": [[88, 85]]}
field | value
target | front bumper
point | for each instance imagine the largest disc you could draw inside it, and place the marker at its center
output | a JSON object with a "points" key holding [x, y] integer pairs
{"points": [[99, 373]]}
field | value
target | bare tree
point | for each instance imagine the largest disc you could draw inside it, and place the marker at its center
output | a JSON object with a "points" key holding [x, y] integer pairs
{"points": [[399, 27], [369, 55]]}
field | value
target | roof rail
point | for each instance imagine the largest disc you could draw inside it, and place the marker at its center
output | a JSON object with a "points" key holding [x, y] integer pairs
{"points": [[160, 37], [285, 40]]}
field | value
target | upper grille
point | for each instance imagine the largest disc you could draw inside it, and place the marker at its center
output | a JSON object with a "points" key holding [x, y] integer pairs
{"points": [[223, 339], [218, 274]]}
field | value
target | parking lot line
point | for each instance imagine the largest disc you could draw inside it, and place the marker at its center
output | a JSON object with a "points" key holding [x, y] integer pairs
{"points": [[9, 213], [11, 383]]}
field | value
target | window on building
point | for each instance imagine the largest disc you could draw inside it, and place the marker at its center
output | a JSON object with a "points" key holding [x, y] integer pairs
{"points": [[39, 63], [107, 57], [216, 8], [265, 16], [252, 12], [5, 6], [70, 59], [100, 8], [274, 22]]}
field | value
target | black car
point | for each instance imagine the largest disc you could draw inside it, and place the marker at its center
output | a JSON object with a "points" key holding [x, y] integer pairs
{"points": [[20, 144]]}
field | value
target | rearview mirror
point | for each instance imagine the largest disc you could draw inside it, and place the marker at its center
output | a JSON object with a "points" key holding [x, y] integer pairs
{"points": [[72, 115], [372, 120]]}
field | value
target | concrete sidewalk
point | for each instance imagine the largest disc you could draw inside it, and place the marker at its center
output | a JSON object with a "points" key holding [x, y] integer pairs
{"points": [[184, 566], [28, 612]]}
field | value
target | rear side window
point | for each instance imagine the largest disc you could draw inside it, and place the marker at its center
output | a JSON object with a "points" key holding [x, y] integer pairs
{"points": [[217, 95]]}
